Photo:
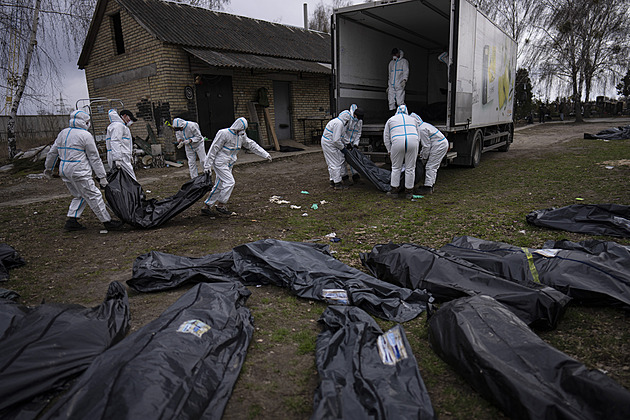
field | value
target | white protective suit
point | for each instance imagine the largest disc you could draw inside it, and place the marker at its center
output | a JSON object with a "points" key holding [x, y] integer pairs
{"points": [[119, 143], [332, 144], [401, 140], [398, 76], [222, 155], [434, 148], [191, 136], [354, 129], [78, 156]]}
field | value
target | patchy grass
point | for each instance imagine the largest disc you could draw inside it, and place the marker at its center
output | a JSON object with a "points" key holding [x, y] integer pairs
{"points": [[279, 375]]}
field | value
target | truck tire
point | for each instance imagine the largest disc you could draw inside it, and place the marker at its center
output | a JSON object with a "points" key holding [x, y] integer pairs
{"points": [[475, 150]]}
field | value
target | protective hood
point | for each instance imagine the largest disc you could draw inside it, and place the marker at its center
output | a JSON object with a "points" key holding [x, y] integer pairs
{"points": [[114, 117], [345, 117], [353, 108], [402, 54], [238, 125], [402, 109], [79, 119], [417, 117], [179, 123]]}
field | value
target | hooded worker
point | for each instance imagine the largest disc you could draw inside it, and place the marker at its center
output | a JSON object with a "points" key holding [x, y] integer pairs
{"points": [[401, 140], [332, 144], [189, 136], [78, 157], [434, 148], [352, 137], [398, 76], [119, 141], [221, 157]]}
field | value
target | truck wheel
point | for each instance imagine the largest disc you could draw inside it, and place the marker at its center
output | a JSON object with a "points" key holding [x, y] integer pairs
{"points": [[475, 151]]}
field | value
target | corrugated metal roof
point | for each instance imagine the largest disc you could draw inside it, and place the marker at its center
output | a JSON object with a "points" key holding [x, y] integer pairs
{"points": [[250, 61], [201, 28]]}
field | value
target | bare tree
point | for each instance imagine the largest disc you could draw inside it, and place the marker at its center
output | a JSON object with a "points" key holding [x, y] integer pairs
{"points": [[320, 18], [36, 47]]}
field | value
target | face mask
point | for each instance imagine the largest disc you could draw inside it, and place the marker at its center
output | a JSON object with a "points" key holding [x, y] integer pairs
{"points": [[129, 123], [394, 57]]}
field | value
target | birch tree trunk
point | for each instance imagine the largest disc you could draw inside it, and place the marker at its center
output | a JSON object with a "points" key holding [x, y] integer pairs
{"points": [[22, 83]]}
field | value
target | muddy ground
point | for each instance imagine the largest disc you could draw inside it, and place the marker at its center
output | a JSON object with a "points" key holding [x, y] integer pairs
{"points": [[277, 380]]}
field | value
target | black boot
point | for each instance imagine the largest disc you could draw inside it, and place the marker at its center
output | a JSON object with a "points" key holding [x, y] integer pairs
{"points": [[73, 224], [425, 190], [114, 225], [340, 186], [408, 193], [356, 177], [346, 180], [394, 192]]}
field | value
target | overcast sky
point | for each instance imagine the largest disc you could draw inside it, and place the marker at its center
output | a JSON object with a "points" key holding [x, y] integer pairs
{"points": [[288, 12]]}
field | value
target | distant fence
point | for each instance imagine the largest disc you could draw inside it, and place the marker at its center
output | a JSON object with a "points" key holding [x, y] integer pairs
{"points": [[31, 131]]}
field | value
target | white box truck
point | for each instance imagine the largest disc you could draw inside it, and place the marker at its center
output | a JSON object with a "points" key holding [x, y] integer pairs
{"points": [[461, 70]]}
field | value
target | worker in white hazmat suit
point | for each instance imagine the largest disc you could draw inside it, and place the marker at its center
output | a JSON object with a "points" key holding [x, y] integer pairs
{"points": [[221, 157], [397, 81], [332, 143], [119, 141], [434, 148], [75, 150], [401, 140], [352, 136], [189, 136]]}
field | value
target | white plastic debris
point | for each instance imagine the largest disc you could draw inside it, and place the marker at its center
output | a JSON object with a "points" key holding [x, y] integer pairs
{"points": [[278, 200], [293, 206], [331, 235]]}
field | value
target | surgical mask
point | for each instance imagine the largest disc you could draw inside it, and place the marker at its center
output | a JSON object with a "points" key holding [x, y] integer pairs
{"points": [[129, 123]]}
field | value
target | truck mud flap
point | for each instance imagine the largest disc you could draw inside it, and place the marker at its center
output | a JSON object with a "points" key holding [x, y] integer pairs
{"points": [[126, 198], [182, 365], [447, 277], [508, 364], [593, 273], [591, 219], [365, 373], [307, 270], [47, 346]]}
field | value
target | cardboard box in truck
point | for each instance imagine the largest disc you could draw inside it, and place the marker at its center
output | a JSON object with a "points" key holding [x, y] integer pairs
{"points": [[461, 70]]}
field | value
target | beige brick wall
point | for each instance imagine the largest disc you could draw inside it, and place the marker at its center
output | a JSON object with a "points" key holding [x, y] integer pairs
{"points": [[165, 90]]}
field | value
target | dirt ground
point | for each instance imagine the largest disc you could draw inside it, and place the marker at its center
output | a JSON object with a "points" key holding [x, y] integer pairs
{"points": [[76, 267]]}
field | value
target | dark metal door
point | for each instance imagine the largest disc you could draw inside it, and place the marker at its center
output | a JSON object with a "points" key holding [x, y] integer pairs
{"points": [[215, 104], [281, 108]]}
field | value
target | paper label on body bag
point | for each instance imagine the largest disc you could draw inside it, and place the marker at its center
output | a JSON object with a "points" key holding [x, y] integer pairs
{"points": [[336, 296], [194, 326], [549, 253], [391, 347]]}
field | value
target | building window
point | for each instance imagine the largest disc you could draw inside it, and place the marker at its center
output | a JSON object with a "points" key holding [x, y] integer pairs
{"points": [[118, 35]]}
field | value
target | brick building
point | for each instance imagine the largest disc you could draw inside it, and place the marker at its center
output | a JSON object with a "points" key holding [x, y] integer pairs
{"points": [[162, 60]]}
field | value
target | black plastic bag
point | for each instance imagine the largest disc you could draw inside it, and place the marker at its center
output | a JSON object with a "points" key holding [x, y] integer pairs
{"points": [[310, 272], [126, 198], [307, 270], [447, 277], [157, 271], [45, 347], [615, 133], [365, 373], [590, 272], [381, 178], [9, 259], [182, 365], [591, 219], [508, 364]]}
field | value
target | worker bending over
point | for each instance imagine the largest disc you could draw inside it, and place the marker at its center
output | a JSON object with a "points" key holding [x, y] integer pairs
{"points": [[434, 148], [401, 140]]}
